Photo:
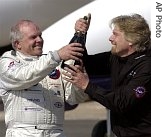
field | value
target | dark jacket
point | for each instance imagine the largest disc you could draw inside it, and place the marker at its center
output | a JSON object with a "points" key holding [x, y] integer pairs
{"points": [[129, 98]]}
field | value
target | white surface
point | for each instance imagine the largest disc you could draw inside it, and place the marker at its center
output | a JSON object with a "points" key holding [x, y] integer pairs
{"points": [[60, 33]]}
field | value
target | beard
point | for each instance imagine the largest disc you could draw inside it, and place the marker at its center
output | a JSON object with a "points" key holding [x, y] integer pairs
{"points": [[113, 49]]}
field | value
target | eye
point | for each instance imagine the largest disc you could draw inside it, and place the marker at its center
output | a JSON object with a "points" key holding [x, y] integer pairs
{"points": [[115, 33], [33, 36]]}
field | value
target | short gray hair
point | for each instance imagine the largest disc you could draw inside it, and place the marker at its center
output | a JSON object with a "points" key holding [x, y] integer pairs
{"points": [[15, 32]]}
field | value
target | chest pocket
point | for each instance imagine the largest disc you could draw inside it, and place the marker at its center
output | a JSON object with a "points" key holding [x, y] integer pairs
{"points": [[129, 76]]}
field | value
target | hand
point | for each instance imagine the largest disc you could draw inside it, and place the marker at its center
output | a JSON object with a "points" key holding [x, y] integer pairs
{"points": [[71, 51], [76, 75], [82, 24]]}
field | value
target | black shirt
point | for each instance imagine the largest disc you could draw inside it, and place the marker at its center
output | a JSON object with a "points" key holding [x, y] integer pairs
{"points": [[129, 97]]}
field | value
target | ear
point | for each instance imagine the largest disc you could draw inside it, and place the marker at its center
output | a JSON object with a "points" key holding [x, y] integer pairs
{"points": [[17, 44]]}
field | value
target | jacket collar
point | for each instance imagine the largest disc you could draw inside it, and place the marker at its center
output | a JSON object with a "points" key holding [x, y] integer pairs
{"points": [[26, 57], [135, 56]]}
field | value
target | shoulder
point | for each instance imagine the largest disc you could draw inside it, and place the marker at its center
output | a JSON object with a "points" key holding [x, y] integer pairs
{"points": [[143, 62], [8, 54], [7, 60]]}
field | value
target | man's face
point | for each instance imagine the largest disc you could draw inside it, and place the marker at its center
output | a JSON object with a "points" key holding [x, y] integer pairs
{"points": [[32, 42], [120, 46]]}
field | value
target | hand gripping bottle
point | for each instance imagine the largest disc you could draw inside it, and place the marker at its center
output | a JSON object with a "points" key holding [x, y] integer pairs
{"points": [[79, 37]]}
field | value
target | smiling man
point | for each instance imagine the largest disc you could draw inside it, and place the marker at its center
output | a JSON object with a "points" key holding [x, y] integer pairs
{"points": [[128, 64], [32, 86]]}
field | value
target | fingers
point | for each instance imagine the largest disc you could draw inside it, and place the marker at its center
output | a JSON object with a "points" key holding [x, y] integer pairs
{"points": [[76, 51], [71, 51], [72, 69], [75, 55], [76, 47], [69, 74], [75, 76], [67, 77], [82, 25]]}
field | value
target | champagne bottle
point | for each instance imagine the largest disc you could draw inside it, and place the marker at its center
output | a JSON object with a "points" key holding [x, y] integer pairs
{"points": [[79, 37]]}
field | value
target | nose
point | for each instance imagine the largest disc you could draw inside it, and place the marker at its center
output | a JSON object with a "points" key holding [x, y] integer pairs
{"points": [[39, 39], [111, 38]]}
